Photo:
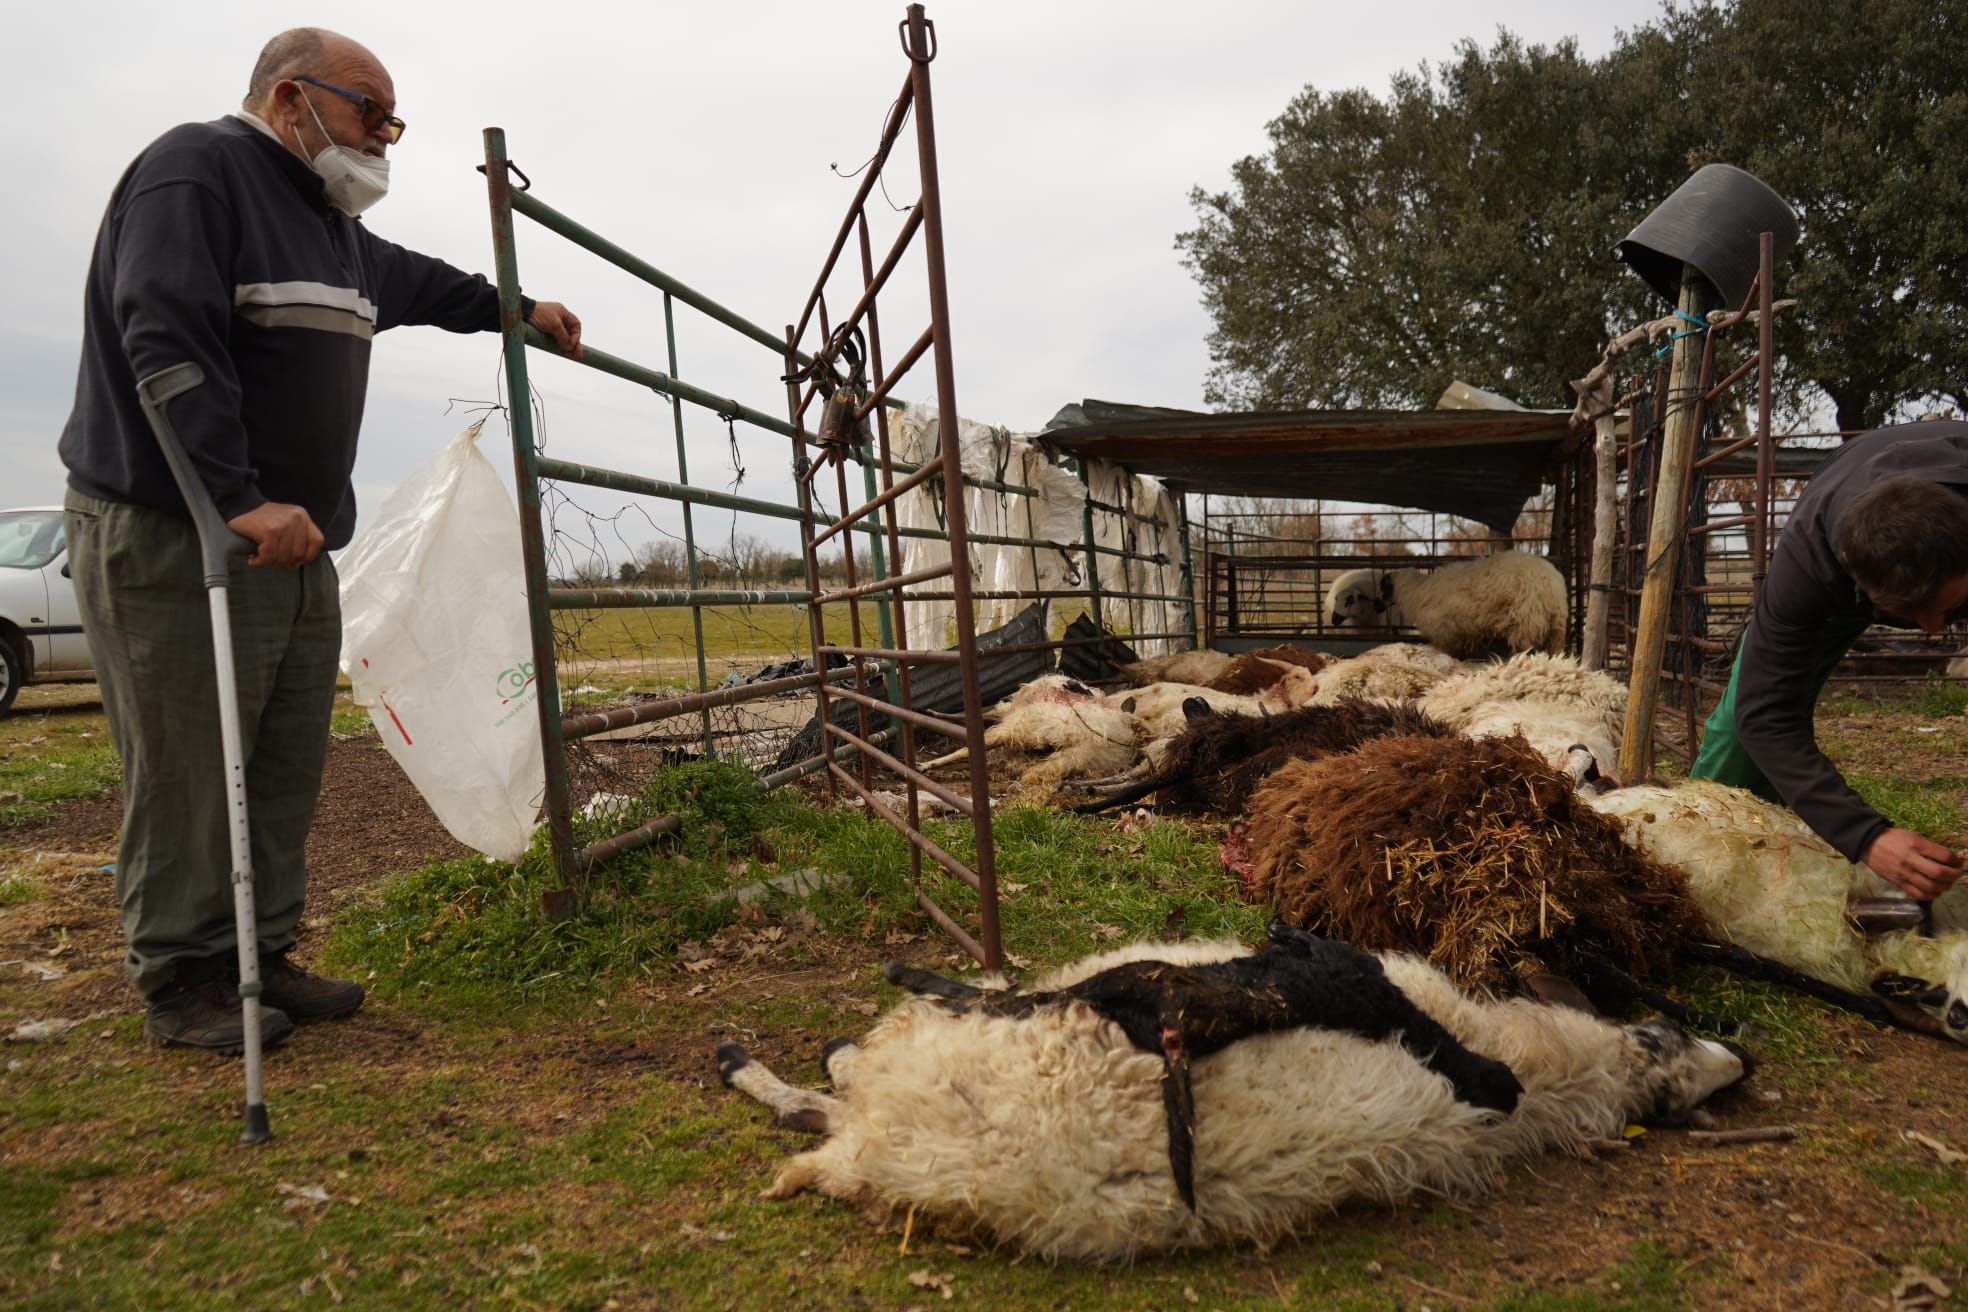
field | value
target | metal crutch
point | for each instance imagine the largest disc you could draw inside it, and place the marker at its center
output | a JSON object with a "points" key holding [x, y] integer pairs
{"points": [[218, 545]]}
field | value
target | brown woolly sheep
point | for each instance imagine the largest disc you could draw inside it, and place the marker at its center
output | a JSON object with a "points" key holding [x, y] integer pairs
{"points": [[1475, 853]]}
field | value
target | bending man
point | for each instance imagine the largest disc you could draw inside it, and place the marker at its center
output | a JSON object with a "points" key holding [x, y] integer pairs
{"points": [[1879, 536]]}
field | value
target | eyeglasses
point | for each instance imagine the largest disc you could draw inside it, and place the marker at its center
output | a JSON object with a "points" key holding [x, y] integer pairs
{"points": [[374, 116]]}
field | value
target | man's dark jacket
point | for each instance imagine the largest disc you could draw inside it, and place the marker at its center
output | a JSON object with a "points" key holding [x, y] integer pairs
{"points": [[1806, 596], [219, 248]]}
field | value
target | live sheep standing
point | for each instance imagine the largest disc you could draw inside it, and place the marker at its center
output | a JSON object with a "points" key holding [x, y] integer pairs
{"points": [[1047, 1133], [1492, 606]]}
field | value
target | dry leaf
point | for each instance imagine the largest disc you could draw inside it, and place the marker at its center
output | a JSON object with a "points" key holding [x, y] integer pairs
{"points": [[1948, 1156], [1106, 931], [1918, 1291], [939, 1281], [701, 965], [689, 1231], [867, 1008], [1008, 887], [299, 1195], [696, 990]]}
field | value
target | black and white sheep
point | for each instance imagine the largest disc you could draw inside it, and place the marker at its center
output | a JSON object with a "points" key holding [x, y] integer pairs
{"points": [[1047, 1133]]}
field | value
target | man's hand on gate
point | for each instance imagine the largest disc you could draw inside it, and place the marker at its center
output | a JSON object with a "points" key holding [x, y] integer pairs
{"points": [[559, 323], [1922, 868], [281, 534]]}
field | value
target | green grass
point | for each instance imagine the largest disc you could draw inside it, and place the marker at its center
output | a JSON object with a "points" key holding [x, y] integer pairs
{"points": [[1935, 698], [53, 757], [476, 925], [1926, 806]]}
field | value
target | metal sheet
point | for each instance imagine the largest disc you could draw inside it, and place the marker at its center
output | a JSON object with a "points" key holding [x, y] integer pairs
{"points": [[1480, 464]]}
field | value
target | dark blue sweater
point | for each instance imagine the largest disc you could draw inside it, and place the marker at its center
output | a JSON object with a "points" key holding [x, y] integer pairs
{"points": [[219, 248]]}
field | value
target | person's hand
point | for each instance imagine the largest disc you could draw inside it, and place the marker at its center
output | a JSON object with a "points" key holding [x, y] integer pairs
{"points": [[559, 323], [281, 534], [1922, 868]]}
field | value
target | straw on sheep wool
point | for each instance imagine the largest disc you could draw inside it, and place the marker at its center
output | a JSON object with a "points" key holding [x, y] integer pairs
{"points": [[1473, 853]]}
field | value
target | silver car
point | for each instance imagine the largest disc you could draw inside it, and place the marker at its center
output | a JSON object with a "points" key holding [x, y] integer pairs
{"points": [[40, 625]]}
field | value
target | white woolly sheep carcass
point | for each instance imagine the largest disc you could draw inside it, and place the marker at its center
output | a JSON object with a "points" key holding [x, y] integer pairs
{"points": [[1555, 703], [1772, 887], [1198, 666], [1357, 598], [1158, 708], [1392, 672], [1510, 602], [1055, 728], [1047, 1133]]}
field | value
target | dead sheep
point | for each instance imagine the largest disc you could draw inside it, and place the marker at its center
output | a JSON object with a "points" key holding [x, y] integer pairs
{"points": [[1047, 1133], [1158, 708], [1215, 763], [1491, 606], [1055, 728], [1476, 854], [1772, 887], [1394, 671], [1572, 716], [1197, 667], [1254, 671]]}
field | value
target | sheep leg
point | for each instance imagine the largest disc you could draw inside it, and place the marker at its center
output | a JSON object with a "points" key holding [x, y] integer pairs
{"points": [[917, 980], [950, 759], [1743, 962], [1179, 1108], [795, 1109], [1123, 795], [838, 1059], [1612, 979]]}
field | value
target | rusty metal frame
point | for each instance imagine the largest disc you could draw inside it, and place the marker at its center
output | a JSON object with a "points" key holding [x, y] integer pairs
{"points": [[925, 219]]}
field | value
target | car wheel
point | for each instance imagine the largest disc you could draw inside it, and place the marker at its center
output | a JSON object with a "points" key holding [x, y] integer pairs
{"points": [[13, 673]]}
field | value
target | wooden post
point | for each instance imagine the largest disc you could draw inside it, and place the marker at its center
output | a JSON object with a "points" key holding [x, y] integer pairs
{"points": [[1605, 503], [1670, 495]]}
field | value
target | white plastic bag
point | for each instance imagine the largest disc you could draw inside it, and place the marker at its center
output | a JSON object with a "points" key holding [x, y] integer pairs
{"points": [[436, 645]]}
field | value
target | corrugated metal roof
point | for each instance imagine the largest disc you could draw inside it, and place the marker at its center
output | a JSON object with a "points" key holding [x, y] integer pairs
{"points": [[1480, 464]]}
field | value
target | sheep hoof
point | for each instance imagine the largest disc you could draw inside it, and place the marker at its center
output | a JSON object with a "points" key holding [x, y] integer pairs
{"points": [[731, 1058], [830, 1047]]}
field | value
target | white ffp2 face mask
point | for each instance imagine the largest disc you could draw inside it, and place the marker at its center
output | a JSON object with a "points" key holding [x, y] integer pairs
{"points": [[351, 180]]}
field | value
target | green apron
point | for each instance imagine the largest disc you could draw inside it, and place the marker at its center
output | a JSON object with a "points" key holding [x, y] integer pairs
{"points": [[1723, 757]]}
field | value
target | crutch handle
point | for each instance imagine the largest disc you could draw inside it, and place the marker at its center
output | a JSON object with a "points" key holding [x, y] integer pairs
{"points": [[218, 545]]}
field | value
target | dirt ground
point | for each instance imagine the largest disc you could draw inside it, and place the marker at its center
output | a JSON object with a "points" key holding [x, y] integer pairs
{"points": [[1805, 1224]]}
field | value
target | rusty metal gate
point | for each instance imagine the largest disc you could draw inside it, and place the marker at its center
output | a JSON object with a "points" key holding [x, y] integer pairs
{"points": [[849, 382], [888, 659]]}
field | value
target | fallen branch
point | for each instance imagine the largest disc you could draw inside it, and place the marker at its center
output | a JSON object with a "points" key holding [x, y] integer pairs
{"points": [[1758, 1134]]}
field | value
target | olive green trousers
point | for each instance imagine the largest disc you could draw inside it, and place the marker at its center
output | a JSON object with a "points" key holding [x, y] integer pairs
{"points": [[145, 613]]}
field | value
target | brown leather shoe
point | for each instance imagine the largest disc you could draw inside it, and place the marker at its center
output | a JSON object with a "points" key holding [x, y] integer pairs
{"points": [[305, 996], [205, 1014]]}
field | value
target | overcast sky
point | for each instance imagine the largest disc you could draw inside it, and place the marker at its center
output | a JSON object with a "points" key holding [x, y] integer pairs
{"points": [[700, 136]]}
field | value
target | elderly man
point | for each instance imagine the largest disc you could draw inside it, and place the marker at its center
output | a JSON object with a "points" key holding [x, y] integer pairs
{"points": [[235, 245], [1880, 535]]}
